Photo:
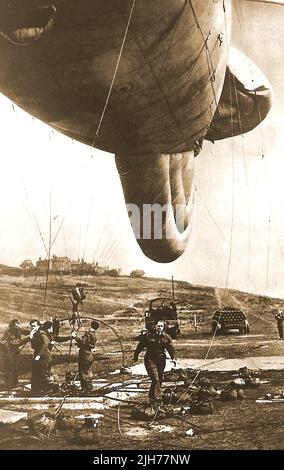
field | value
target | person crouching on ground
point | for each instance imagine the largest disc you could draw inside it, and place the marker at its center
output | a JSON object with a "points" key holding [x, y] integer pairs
{"points": [[156, 344], [86, 345]]}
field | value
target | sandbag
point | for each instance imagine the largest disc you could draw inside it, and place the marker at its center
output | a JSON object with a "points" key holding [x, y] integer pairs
{"points": [[89, 433], [41, 424], [201, 408], [229, 395], [253, 382], [65, 422], [175, 375], [240, 394], [170, 396], [147, 412]]}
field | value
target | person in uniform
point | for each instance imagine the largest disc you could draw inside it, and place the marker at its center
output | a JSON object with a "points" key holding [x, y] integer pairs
{"points": [[36, 341], [42, 342], [11, 342], [156, 344], [78, 295], [86, 345], [75, 317], [280, 319]]}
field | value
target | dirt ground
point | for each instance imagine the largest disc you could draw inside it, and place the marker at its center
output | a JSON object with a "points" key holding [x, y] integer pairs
{"points": [[120, 303]]}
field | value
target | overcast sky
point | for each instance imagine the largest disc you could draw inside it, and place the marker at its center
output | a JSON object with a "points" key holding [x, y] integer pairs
{"points": [[85, 190]]}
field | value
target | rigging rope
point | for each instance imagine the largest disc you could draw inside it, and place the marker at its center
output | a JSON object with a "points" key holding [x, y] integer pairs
{"points": [[98, 243], [246, 178], [238, 10], [161, 90], [233, 168], [202, 365], [233, 184], [62, 296], [239, 13], [35, 219], [87, 232], [49, 249], [172, 39], [41, 236], [211, 69], [114, 74]]}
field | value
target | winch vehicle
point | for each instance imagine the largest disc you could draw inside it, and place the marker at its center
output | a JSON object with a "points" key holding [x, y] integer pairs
{"points": [[229, 318], [163, 308]]}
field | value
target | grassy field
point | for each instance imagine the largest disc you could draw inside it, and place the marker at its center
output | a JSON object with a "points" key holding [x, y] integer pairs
{"points": [[120, 303]]}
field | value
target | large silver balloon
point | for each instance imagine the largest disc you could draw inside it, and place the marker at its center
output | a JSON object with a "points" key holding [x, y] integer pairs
{"points": [[147, 80]]}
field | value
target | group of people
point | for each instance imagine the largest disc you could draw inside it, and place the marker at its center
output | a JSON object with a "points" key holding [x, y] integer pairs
{"points": [[42, 339]]}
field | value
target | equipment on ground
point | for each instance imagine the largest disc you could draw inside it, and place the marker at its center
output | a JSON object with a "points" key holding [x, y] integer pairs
{"points": [[229, 318]]}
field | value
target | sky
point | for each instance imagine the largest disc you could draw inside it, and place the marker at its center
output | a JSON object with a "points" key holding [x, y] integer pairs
{"points": [[238, 230]]}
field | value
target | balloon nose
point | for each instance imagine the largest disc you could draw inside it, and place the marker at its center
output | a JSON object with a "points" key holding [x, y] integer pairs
{"points": [[159, 199]]}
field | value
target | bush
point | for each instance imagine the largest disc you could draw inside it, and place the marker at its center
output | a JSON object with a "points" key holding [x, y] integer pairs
{"points": [[27, 264], [137, 273], [113, 272]]}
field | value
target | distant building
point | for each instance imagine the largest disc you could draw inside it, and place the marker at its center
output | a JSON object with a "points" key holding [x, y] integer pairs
{"points": [[82, 267], [63, 265], [99, 270], [59, 264], [76, 267], [42, 265]]}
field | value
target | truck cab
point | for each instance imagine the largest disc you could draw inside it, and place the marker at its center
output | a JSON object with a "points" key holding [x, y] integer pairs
{"points": [[163, 308]]}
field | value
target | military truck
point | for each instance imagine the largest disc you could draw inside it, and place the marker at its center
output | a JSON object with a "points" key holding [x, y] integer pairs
{"points": [[229, 318], [163, 308]]}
